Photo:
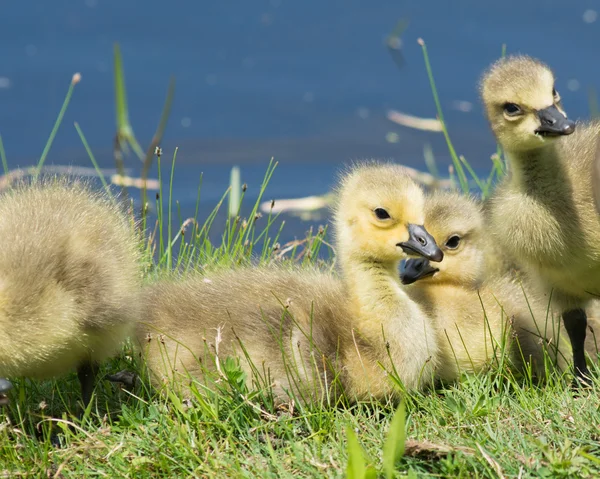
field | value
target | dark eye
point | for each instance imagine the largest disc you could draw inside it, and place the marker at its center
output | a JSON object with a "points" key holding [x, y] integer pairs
{"points": [[453, 242], [381, 213], [554, 92], [512, 109]]}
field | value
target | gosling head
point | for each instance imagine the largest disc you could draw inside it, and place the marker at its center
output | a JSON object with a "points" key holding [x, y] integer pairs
{"points": [[379, 215], [456, 222], [522, 104]]}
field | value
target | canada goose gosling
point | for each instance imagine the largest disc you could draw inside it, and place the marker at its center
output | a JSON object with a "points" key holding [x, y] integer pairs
{"points": [[69, 281], [543, 213], [378, 221], [471, 326], [478, 304]]}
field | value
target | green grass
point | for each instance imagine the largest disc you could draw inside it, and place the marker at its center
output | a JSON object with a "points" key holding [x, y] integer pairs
{"points": [[495, 424], [479, 427]]}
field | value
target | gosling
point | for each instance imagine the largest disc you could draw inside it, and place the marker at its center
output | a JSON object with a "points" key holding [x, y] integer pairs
{"points": [[69, 281], [479, 307], [308, 331], [543, 213]]}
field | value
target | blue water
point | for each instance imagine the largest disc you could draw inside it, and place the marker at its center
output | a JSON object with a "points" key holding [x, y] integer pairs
{"points": [[306, 82]]}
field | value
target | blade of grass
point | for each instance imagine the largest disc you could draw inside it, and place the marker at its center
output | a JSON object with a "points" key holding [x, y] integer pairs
{"points": [[462, 178], [92, 158], [393, 449], [169, 226], [3, 156], [593, 103], [74, 81], [125, 132], [430, 161], [157, 138]]}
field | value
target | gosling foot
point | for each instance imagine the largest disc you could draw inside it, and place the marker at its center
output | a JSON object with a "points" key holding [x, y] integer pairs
{"points": [[582, 380], [125, 377]]}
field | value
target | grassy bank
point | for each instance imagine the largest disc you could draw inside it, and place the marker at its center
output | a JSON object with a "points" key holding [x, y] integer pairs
{"points": [[489, 425]]}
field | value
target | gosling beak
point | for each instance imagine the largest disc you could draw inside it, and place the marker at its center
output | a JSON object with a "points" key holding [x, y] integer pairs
{"points": [[421, 243], [5, 386], [416, 269], [554, 123]]}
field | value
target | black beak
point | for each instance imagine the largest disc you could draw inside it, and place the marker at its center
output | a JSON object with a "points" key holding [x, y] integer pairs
{"points": [[416, 269], [554, 123], [421, 243], [5, 386]]}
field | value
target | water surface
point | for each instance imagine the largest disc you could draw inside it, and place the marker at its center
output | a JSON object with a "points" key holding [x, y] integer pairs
{"points": [[308, 83]]}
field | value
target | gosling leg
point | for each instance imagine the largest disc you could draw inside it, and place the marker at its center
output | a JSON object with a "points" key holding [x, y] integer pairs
{"points": [[86, 372], [576, 324]]}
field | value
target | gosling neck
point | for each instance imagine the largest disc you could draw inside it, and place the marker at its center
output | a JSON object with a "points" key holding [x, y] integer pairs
{"points": [[371, 282], [533, 169]]}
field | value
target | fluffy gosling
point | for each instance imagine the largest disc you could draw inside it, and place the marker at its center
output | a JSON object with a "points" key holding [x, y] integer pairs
{"points": [[69, 281], [304, 324], [543, 212]]}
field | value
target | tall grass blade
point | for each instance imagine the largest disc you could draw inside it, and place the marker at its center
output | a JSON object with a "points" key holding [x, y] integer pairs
{"points": [[157, 138], [430, 161], [462, 178], [357, 465], [125, 135], [393, 449], [593, 102], [74, 81], [92, 158], [3, 157]]}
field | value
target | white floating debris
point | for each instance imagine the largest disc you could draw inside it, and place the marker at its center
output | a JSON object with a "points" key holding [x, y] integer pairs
{"points": [[590, 16], [410, 121], [128, 181], [305, 207], [186, 122], [462, 105], [309, 203], [392, 137], [573, 84], [5, 82]]}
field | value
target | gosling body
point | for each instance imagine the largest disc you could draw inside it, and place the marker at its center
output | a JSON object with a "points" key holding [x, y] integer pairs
{"points": [[350, 327], [544, 213], [69, 280], [481, 310]]}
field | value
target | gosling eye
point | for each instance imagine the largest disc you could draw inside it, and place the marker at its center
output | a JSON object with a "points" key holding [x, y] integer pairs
{"points": [[452, 242], [381, 214], [512, 109], [555, 95]]}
